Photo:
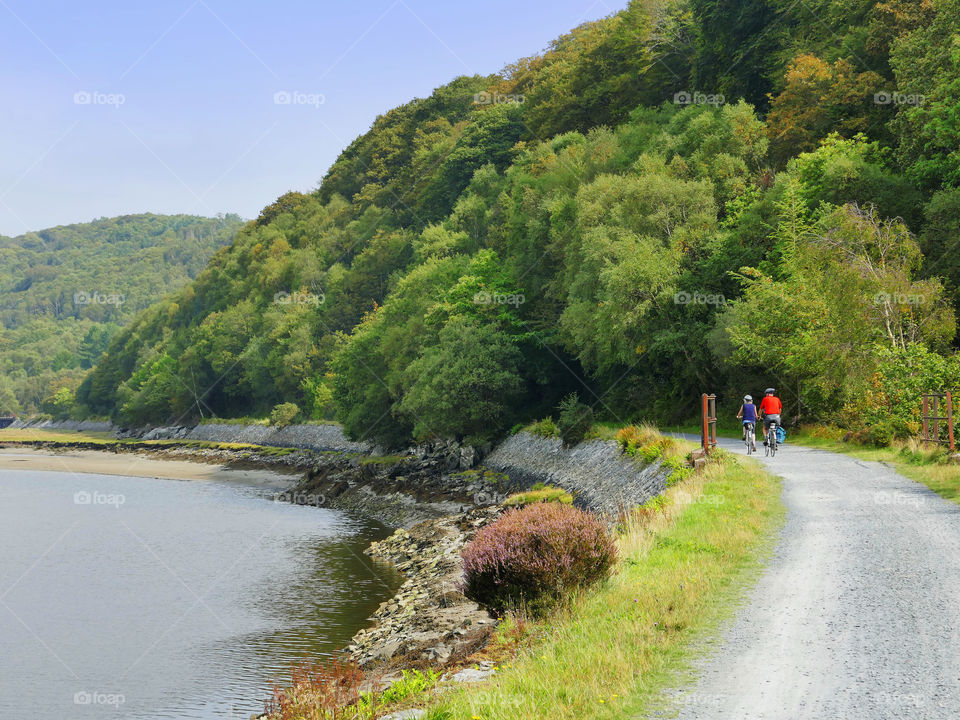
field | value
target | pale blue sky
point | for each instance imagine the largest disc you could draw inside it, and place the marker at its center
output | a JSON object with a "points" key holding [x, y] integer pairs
{"points": [[114, 107]]}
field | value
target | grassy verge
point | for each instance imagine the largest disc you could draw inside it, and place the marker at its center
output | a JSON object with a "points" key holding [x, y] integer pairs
{"points": [[608, 653], [28, 435]]}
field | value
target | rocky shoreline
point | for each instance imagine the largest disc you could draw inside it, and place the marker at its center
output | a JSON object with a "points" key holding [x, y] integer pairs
{"points": [[429, 622]]}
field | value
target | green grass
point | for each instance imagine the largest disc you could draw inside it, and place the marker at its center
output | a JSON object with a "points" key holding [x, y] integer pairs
{"points": [[684, 561], [539, 493], [28, 435]]}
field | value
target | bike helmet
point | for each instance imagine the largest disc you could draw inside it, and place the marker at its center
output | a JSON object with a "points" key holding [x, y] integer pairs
{"points": [[748, 398], [769, 391]]}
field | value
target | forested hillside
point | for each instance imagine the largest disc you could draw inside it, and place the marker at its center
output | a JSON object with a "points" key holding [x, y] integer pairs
{"points": [[686, 195], [64, 293]]}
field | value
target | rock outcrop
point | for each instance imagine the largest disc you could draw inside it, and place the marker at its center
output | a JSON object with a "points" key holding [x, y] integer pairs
{"points": [[429, 622]]}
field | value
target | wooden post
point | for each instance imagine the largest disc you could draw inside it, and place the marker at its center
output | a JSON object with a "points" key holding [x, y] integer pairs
{"points": [[926, 422], [936, 417], [950, 420], [713, 421]]}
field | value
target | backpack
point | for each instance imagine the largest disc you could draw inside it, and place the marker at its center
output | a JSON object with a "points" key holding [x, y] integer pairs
{"points": [[781, 434]]}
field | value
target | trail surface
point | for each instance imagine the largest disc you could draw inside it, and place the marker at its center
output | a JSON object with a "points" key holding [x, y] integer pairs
{"points": [[856, 615]]}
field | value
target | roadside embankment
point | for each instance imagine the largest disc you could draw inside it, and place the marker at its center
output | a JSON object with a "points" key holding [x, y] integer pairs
{"points": [[597, 473], [686, 559]]}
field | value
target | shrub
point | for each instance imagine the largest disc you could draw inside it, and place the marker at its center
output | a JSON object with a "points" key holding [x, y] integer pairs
{"points": [[575, 421], [533, 555], [539, 494], [544, 428], [284, 414]]}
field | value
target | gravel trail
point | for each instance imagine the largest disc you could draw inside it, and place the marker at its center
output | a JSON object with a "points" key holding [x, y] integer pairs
{"points": [[856, 615]]}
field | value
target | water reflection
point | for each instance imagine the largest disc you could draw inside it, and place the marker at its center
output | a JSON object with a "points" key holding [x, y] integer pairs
{"points": [[185, 600]]}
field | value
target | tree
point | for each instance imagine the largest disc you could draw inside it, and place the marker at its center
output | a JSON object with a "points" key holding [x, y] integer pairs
{"points": [[926, 63], [466, 385], [819, 98], [736, 49], [9, 404], [845, 283]]}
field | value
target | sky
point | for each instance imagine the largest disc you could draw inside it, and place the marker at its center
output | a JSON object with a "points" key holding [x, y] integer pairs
{"points": [[112, 107]]}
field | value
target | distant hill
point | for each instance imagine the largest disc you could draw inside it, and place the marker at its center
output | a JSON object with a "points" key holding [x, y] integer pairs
{"points": [[66, 290]]}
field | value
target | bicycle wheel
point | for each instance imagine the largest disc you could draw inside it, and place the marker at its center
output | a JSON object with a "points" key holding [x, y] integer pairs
{"points": [[773, 441]]}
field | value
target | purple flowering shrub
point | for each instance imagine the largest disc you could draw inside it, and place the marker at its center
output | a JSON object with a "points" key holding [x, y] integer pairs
{"points": [[534, 554]]}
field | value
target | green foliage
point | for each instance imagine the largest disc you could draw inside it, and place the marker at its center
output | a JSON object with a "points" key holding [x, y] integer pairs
{"points": [[545, 428], [575, 421], [539, 494], [284, 414], [65, 291], [411, 683], [465, 386], [926, 63]]}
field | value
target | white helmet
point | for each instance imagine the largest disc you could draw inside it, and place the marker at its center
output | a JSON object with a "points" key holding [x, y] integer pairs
{"points": [[748, 398]]}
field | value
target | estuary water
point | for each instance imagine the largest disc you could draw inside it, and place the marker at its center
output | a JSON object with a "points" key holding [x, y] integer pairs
{"points": [[132, 597]]}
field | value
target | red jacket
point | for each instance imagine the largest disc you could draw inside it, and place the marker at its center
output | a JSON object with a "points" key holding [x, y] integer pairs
{"points": [[771, 405]]}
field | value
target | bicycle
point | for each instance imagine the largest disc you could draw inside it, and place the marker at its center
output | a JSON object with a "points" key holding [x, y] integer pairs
{"points": [[750, 438], [770, 446]]}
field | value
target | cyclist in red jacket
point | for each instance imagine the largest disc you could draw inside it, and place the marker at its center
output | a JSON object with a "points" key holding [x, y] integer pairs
{"points": [[770, 408]]}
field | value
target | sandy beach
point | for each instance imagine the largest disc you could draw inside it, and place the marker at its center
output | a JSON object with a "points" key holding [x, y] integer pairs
{"points": [[135, 465]]}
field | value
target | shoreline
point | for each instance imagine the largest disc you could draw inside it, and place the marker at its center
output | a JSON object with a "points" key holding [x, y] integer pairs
{"points": [[141, 464]]}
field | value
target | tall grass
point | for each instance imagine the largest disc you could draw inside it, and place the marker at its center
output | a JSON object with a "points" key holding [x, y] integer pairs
{"points": [[606, 653]]}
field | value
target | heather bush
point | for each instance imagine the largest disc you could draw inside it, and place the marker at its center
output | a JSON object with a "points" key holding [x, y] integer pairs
{"points": [[533, 555]]}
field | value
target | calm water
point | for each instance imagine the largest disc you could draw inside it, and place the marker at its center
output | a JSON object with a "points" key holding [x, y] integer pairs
{"points": [[148, 598]]}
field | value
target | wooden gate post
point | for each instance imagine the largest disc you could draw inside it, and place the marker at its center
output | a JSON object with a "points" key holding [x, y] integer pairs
{"points": [[708, 435], [950, 420]]}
